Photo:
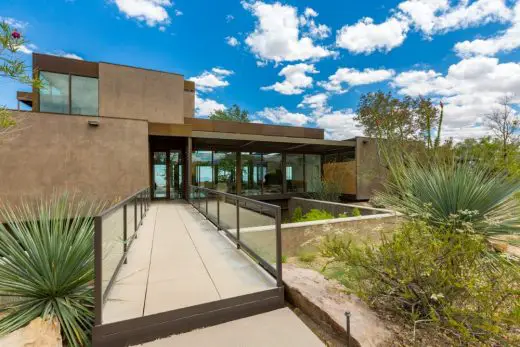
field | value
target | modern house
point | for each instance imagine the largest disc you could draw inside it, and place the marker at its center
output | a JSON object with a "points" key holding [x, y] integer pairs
{"points": [[109, 130]]}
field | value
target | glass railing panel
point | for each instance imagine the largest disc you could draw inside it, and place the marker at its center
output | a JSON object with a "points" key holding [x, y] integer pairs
{"points": [[112, 244], [228, 214], [130, 220], [212, 213]]}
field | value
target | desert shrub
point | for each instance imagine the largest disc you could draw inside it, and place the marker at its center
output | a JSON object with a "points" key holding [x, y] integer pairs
{"points": [[343, 215], [443, 276], [284, 259], [326, 190], [356, 212], [315, 214], [307, 257], [441, 192], [297, 214], [48, 265]]}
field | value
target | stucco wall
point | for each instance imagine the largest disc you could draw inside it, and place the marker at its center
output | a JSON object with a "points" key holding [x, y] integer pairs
{"points": [[126, 92], [62, 152], [189, 104]]}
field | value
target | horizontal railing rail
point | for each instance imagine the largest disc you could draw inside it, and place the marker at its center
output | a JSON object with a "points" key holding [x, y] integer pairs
{"points": [[114, 232], [201, 198]]}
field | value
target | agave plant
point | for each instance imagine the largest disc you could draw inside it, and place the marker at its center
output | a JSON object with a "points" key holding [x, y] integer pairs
{"points": [[47, 265], [452, 193]]}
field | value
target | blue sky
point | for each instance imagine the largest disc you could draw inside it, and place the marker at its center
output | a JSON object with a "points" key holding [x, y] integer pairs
{"points": [[296, 62]]}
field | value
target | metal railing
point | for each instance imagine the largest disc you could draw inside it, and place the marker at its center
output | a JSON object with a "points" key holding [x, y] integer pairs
{"points": [[225, 210], [114, 231]]}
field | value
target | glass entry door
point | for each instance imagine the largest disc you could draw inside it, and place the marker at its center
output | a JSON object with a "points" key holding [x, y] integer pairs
{"points": [[168, 175]]}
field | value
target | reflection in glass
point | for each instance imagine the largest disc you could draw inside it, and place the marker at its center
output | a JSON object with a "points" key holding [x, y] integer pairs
{"points": [[312, 172], [202, 170], [159, 174], [225, 164], [84, 95], [273, 177], [252, 173], [54, 93], [294, 173], [176, 175]]}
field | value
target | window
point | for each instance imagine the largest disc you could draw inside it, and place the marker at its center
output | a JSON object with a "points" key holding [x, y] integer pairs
{"points": [[225, 165], [252, 173], [202, 170], [84, 95], [294, 173], [54, 94], [68, 94], [312, 172], [273, 177]]}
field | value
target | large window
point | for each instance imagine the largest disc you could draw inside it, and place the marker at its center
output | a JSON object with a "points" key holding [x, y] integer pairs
{"points": [[312, 172], [294, 173], [202, 170], [54, 94], [84, 96], [68, 94], [252, 173], [273, 177], [225, 166]]}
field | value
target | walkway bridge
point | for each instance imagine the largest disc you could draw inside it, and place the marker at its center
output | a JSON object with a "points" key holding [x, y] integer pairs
{"points": [[167, 268]]}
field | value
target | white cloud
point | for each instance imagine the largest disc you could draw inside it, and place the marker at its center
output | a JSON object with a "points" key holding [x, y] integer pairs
{"points": [[316, 102], [71, 56], [296, 79], [205, 107], [316, 31], [353, 77], [152, 12], [367, 37], [437, 16], [229, 18], [469, 90], [178, 13], [280, 115], [504, 42], [27, 49], [14, 23], [277, 36], [207, 81], [232, 41], [340, 125]]}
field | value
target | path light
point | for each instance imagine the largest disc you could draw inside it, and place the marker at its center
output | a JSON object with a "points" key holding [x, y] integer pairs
{"points": [[347, 314]]}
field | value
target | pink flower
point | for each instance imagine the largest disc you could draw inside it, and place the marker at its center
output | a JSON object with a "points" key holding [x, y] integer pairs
{"points": [[16, 35], [442, 105]]}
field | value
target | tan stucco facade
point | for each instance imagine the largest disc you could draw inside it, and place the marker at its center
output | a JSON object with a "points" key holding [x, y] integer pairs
{"points": [[50, 152], [127, 92]]}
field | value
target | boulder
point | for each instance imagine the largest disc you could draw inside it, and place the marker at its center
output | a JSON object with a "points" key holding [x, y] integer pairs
{"points": [[326, 302], [39, 333]]}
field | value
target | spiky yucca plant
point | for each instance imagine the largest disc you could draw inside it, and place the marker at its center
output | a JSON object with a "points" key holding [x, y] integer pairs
{"points": [[47, 265], [453, 192]]}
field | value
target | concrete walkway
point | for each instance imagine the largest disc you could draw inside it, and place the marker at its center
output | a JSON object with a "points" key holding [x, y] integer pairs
{"points": [[179, 259], [280, 328]]}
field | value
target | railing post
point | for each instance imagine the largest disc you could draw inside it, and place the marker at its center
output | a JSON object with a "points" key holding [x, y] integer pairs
{"points": [[125, 236], [135, 217], [238, 224], [141, 207], [218, 212], [98, 270], [206, 205], [278, 221]]}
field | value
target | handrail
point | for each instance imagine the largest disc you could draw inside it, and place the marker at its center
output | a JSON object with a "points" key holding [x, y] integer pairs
{"points": [[276, 273], [141, 199]]}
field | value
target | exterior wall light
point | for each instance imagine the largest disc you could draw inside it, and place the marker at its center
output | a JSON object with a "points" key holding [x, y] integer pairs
{"points": [[93, 123]]}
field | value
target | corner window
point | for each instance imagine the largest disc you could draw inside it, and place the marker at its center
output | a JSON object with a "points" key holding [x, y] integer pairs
{"points": [[294, 173], [84, 96], [54, 94], [67, 94], [312, 172]]}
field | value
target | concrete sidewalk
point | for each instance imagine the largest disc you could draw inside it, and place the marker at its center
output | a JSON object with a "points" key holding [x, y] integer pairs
{"points": [[279, 328]]}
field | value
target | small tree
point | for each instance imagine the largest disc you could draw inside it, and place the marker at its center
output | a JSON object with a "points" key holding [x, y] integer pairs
{"points": [[505, 125], [233, 114]]}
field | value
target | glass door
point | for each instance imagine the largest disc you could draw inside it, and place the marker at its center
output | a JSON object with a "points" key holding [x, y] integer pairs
{"points": [[159, 175], [176, 175]]}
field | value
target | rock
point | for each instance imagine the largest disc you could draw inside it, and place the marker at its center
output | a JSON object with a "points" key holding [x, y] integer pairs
{"points": [[326, 302], [39, 333]]}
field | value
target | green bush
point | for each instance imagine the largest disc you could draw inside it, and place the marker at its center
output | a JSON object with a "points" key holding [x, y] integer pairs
{"points": [[48, 265], [315, 214], [356, 212], [440, 276], [284, 259], [297, 214], [307, 257], [343, 215]]}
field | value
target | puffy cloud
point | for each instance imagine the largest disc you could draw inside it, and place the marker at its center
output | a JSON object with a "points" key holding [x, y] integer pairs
{"points": [[469, 90], [296, 79], [340, 125], [353, 77], [434, 16], [316, 31], [232, 41], [14, 23], [205, 107], [367, 37], [277, 36], [316, 102], [280, 115], [208, 81], [152, 12], [27, 49], [504, 42]]}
